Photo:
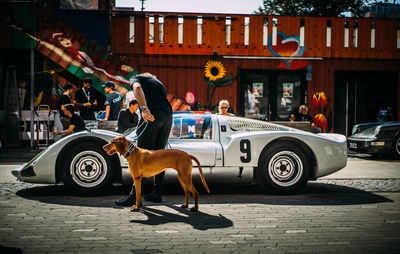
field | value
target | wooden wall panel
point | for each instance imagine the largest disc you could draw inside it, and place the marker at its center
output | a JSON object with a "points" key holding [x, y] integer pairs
{"points": [[214, 30]]}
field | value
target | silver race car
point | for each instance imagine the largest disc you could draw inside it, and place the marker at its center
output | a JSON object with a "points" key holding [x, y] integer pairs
{"points": [[230, 149]]}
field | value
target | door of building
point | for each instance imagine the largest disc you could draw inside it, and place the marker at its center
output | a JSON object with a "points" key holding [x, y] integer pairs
{"points": [[359, 96], [271, 94]]}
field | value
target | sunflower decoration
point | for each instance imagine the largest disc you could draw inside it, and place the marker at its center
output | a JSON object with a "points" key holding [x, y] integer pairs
{"points": [[214, 70]]}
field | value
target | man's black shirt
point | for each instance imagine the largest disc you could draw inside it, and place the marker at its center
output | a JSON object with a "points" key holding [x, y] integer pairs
{"points": [[126, 120], [81, 96], [155, 93], [78, 122]]}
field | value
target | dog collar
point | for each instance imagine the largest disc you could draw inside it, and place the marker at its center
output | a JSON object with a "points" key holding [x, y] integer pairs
{"points": [[130, 149]]}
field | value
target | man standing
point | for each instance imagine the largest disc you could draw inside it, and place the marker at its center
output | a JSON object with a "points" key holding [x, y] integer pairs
{"points": [[85, 100], [76, 122], [113, 102], [127, 117], [154, 106], [64, 99]]}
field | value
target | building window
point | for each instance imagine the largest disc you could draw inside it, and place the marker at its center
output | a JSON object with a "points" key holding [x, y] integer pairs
{"points": [[161, 29], [398, 35], [246, 30], [151, 29], [228, 23], [301, 32], [355, 34], [265, 32], [199, 30], [328, 33], [131, 29], [346, 33], [274, 31], [180, 30], [373, 34]]}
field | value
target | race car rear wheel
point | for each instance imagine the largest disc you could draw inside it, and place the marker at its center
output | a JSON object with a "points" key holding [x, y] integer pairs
{"points": [[87, 168], [396, 147], [283, 168]]}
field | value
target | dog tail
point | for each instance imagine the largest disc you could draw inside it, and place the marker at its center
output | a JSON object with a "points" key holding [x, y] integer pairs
{"points": [[201, 172]]}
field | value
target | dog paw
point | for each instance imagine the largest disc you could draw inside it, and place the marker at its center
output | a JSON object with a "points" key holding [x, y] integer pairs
{"points": [[134, 209], [184, 206], [194, 209]]}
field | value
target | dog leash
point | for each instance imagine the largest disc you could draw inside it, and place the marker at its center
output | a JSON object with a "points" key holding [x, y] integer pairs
{"points": [[132, 146]]}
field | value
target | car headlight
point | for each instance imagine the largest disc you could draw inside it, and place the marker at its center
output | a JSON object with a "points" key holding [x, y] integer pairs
{"points": [[377, 130]]}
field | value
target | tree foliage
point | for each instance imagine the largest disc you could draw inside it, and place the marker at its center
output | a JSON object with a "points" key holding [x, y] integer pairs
{"points": [[323, 8]]}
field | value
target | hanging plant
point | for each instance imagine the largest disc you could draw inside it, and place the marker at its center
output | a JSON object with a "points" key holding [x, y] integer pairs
{"points": [[214, 70]]}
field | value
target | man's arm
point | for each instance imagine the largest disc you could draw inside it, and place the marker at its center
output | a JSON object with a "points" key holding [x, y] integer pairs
{"points": [[107, 112], [141, 99], [67, 131]]}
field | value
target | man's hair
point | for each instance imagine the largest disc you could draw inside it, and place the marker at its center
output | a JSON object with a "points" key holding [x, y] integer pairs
{"points": [[68, 86], [302, 107], [133, 102], [87, 80], [69, 107]]}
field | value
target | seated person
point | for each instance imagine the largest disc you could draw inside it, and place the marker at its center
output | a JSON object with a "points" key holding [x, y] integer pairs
{"points": [[303, 114], [127, 117], [76, 122], [223, 107]]}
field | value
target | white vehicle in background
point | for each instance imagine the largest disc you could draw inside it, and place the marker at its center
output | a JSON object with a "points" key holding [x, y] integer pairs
{"points": [[230, 150]]}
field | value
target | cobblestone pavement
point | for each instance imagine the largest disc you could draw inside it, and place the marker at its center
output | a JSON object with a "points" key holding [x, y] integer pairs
{"points": [[327, 216]]}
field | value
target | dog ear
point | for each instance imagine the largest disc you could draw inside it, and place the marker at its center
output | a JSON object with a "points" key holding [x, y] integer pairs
{"points": [[121, 144]]}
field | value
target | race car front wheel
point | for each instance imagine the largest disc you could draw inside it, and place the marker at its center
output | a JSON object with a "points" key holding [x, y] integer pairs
{"points": [[87, 168], [283, 168]]}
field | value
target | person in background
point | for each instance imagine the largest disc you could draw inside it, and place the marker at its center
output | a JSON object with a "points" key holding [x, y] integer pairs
{"points": [[127, 117], [129, 96], [223, 107], [64, 99], [76, 122], [113, 101], [303, 114], [292, 118], [155, 108], [85, 100]]}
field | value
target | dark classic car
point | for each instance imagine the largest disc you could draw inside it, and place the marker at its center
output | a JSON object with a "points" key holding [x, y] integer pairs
{"points": [[381, 138]]}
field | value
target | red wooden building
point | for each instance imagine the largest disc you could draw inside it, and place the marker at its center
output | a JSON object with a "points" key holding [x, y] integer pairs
{"points": [[355, 61]]}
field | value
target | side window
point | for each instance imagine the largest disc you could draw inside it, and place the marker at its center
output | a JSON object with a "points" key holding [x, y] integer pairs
{"points": [[191, 127], [176, 128]]}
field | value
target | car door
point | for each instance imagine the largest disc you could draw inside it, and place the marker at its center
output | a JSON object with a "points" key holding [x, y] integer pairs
{"points": [[194, 134]]}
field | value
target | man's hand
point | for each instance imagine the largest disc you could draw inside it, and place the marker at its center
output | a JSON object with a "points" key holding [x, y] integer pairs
{"points": [[147, 116]]}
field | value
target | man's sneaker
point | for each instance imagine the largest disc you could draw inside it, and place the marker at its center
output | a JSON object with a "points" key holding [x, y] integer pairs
{"points": [[128, 201]]}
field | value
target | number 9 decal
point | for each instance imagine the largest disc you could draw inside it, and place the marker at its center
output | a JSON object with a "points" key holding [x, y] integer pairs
{"points": [[245, 148]]}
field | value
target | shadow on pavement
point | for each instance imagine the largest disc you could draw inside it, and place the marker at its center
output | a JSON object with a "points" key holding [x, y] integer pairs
{"points": [[198, 220], [313, 194]]}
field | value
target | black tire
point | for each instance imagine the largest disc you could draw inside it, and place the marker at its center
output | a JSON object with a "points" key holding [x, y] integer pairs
{"points": [[87, 168], [396, 147], [283, 168]]}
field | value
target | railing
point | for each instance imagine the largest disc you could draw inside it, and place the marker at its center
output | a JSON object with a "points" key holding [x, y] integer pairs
{"points": [[260, 36]]}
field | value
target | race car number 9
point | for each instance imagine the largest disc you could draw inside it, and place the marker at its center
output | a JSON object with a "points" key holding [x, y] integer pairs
{"points": [[245, 148]]}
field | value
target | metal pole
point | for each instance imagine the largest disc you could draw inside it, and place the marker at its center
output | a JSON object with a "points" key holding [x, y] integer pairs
{"points": [[347, 108], [32, 96]]}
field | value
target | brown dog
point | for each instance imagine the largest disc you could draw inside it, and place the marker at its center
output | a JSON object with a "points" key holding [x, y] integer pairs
{"points": [[146, 163]]}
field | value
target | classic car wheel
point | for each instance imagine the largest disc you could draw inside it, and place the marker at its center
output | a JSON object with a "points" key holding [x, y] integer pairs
{"points": [[283, 169], [87, 168], [396, 147]]}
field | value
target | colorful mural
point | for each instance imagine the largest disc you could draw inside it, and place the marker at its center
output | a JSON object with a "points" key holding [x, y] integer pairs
{"points": [[288, 46]]}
